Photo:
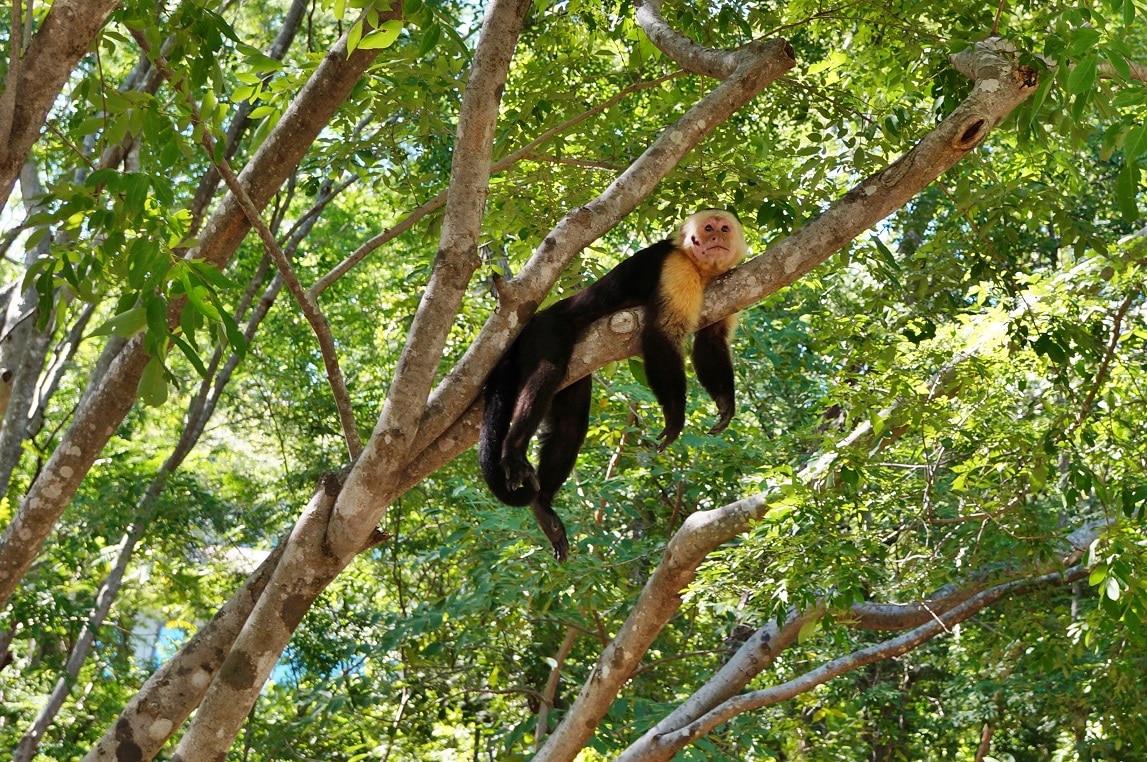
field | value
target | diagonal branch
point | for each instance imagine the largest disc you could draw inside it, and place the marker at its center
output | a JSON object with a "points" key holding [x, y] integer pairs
{"points": [[663, 746], [759, 65], [111, 394], [306, 302], [359, 508]]}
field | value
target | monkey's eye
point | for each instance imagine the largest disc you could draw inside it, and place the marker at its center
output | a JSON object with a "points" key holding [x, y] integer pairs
{"points": [[724, 228]]}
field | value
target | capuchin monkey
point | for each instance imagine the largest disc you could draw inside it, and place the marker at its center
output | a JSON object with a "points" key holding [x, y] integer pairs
{"points": [[668, 279]]}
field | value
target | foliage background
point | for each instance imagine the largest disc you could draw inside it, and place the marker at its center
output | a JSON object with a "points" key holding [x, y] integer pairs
{"points": [[1021, 270]]}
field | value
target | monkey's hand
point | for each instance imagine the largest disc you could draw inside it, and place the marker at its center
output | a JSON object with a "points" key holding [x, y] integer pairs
{"points": [[726, 414], [518, 472]]}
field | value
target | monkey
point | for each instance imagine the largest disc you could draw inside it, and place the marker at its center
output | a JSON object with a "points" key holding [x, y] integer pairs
{"points": [[522, 391]]}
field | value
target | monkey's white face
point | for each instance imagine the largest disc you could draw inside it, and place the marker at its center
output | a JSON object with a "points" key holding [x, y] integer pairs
{"points": [[714, 239]]}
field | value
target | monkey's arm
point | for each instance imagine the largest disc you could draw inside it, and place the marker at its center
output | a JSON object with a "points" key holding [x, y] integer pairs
{"points": [[713, 364], [665, 372]]}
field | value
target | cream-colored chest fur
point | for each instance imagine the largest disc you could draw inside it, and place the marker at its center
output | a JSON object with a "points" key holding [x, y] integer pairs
{"points": [[680, 291]]}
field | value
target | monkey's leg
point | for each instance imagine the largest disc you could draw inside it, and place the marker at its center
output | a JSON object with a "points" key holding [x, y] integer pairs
{"points": [[665, 370], [561, 440], [713, 364]]}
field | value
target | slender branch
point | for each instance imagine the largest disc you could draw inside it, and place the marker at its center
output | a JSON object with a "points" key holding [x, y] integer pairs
{"points": [[307, 304], [500, 165], [665, 745], [1100, 377], [546, 699]]}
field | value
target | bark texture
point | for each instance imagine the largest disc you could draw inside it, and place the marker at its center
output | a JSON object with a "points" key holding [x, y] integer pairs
{"points": [[37, 76]]}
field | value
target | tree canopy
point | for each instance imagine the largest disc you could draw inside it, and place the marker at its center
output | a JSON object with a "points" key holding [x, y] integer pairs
{"points": [[260, 257]]}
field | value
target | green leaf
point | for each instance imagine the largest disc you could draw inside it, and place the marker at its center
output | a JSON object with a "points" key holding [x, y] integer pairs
{"points": [[1126, 190], [191, 355], [430, 37], [637, 368], [1135, 143], [383, 37], [211, 274], [1119, 63], [125, 324], [1082, 77], [353, 37], [234, 335], [153, 383], [1046, 346], [199, 298], [1083, 40]]}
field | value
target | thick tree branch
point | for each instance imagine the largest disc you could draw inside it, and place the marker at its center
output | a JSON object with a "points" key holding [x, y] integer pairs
{"points": [[110, 395], [361, 504], [263, 636], [684, 51], [175, 689], [759, 65], [36, 76]]}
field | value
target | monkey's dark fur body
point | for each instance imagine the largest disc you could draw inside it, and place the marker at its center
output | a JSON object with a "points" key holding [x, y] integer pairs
{"points": [[522, 391]]}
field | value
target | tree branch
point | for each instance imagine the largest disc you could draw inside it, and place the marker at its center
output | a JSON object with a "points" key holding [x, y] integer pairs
{"points": [[360, 508], [685, 52], [664, 746], [309, 307], [37, 75], [175, 689], [759, 65]]}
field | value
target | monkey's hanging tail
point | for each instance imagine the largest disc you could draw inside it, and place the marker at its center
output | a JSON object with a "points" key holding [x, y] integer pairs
{"points": [[501, 395]]}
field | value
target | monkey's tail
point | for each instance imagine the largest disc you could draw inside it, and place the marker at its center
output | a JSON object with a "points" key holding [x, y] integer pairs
{"points": [[501, 393]]}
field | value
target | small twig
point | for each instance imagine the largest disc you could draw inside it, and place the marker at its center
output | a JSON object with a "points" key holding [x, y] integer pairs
{"points": [[307, 304], [505, 162], [550, 690], [1104, 366], [996, 21]]}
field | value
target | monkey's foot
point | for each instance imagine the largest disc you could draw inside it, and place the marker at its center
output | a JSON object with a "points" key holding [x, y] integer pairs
{"points": [[519, 472], [722, 422], [667, 437]]}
